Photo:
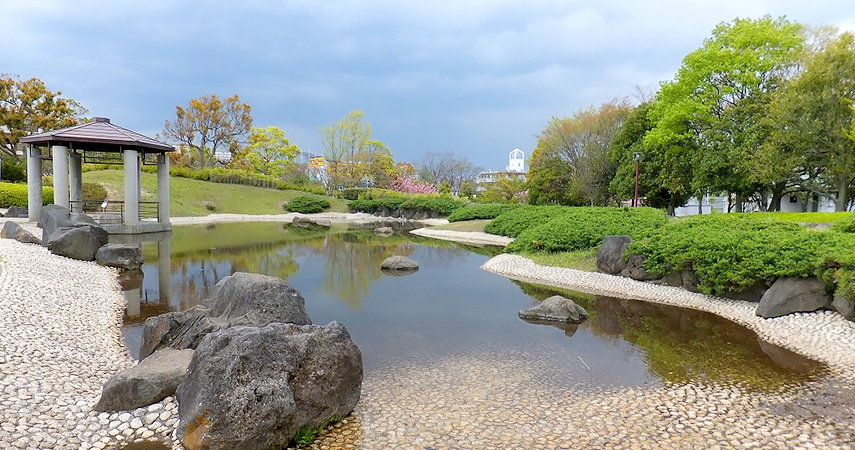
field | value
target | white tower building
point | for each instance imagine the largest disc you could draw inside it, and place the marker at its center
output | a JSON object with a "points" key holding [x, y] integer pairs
{"points": [[516, 161]]}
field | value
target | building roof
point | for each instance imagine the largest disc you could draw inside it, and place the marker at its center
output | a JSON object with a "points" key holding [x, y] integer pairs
{"points": [[98, 135]]}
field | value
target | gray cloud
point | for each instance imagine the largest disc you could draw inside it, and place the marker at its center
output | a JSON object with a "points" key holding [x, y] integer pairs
{"points": [[475, 77]]}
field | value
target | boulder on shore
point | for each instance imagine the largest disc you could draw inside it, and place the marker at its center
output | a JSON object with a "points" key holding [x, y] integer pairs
{"points": [[17, 212], [555, 309], [399, 263], [790, 295], [150, 381], [77, 242], [13, 230], [240, 299], [844, 306], [122, 256], [610, 254], [635, 269], [253, 388]]}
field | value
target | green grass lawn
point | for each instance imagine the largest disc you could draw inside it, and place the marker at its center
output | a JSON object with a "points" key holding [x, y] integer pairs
{"points": [[580, 259], [189, 197]]}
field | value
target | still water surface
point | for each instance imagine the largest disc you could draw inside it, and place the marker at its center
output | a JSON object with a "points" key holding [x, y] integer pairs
{"points": [[451, 307]]}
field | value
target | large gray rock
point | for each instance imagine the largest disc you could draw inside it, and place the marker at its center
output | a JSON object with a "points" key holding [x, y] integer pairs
{"points": [[635, 269], [789, 295], [240, 299], [122, 256], [556, 309], [398, 262], [150, 381], [53, 217], [17, 212], [844, 306], [610, 254], [383, 231], [77, 242], [13, 230], [751, 293], [253, 388]]}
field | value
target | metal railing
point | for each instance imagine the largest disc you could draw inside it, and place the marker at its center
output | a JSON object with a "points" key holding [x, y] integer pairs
{"points": [[109, 211]]}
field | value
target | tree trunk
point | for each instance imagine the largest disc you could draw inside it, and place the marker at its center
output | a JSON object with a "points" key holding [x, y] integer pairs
{"points": [[669, 210], [777, 195], [738, 203], [842, 194]]}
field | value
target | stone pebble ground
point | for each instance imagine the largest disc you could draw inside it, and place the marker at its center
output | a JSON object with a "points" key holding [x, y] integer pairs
{"points": [[60, 340]]}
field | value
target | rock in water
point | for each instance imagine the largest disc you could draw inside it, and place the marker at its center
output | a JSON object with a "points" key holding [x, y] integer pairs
{"points": [[121, 256], [557, 309], [12, 230], [383, 231], [239, 299], [150, 381], [398, 262], [78, 242], [789, 295], [610, 254], [253, 388]]}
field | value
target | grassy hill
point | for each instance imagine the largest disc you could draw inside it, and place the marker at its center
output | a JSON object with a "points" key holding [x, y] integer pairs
{"points": [[190, 197]]}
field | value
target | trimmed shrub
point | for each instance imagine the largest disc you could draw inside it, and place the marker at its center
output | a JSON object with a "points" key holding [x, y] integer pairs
{"points": [[482, 211], [731, 252], [233, 176], [579, 228], [846, 225], [307, 205], [429, 204], [94, 191], [516, 220], [12, 194]]}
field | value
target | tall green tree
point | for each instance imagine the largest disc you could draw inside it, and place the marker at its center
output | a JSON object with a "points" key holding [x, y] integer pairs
{"points": [[268, 151], [343, 142], [811, 118], [28, 107], [710, 106], [209, 125], [570, 164]]}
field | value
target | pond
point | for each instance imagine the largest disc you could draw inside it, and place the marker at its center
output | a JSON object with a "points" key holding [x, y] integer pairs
{"points": [[451, 308]]}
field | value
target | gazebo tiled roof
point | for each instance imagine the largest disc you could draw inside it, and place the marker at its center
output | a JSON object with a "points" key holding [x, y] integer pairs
{"points": [[100, 135]]}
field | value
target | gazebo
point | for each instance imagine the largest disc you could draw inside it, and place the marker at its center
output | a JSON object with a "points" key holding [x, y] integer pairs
{"points": [[101, 142]]}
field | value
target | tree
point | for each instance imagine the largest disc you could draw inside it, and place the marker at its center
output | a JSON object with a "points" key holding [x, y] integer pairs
{"points": [[209, 125], [28, 107], [811, 118], [710, 109], [504, 190], [570, 164], [343, 141], [268, 152], [663, 180], [446, 169]]}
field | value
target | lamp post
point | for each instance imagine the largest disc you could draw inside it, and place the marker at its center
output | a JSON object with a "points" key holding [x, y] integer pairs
{"points": [[637, 157]]}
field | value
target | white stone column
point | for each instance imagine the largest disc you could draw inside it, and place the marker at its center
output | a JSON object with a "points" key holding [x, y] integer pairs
{"points": [[35, 197], [163, 188], [75, 174], [60, 175], [132, 187]]}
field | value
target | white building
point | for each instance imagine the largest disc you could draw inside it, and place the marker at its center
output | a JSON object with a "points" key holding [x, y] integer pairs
{"points": [[516, 161]]}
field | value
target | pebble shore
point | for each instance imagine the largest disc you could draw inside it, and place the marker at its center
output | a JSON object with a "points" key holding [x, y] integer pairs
{"points": [[60, 341]]}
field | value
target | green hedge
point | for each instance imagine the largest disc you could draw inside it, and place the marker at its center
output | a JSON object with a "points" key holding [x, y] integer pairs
{"points": [[16, 195], [517, 220], [307, 205], [845, 225], [476, 211], [232, 176], [435, 204], [579, 228], [731, 252]]}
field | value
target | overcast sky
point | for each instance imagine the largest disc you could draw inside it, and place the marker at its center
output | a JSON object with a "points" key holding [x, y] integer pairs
{"points": [[477, 78]]}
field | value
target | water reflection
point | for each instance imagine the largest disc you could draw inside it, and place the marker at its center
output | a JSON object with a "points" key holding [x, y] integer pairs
{"points": [[451, 307]]}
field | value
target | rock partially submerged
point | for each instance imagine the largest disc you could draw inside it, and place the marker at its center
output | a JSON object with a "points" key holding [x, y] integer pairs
{"points": [[239, 299], [399, 263], [253, 388], [150, 381], [13, 230], [555, 309], [121, 256], [790, 295], [383, 231]]}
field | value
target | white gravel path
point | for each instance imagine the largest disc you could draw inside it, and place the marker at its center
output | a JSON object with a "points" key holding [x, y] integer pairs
{"points": [[60, 341], [824, 336], [464, 237]]}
